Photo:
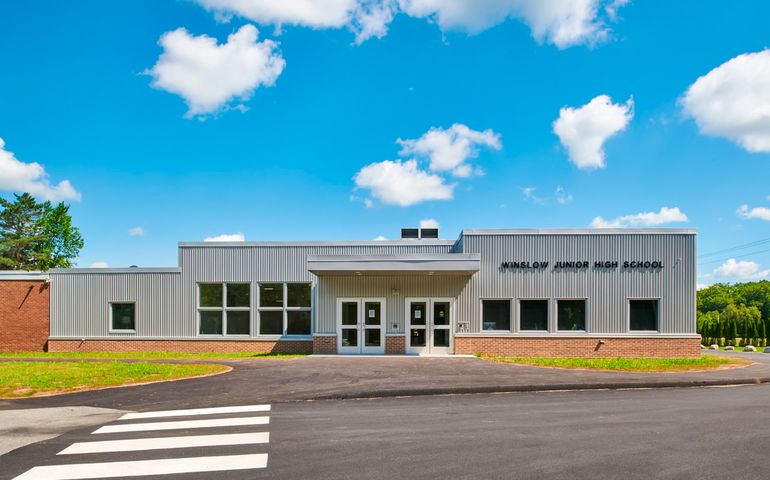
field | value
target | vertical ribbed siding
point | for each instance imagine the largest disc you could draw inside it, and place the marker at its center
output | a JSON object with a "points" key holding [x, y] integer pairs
{"points": [[80, 303], [607, 291]]}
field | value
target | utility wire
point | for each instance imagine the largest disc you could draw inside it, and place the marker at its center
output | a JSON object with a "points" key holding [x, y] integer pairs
{"points": [[734, 256], [737, 247]]}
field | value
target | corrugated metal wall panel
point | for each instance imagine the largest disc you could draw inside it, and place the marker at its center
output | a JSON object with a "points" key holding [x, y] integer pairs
{"points": [[607, 290]]}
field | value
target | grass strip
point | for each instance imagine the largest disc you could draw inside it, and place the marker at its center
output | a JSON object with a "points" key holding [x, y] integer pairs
{"points": [[150, 355], [704, 362], [24, 379]]}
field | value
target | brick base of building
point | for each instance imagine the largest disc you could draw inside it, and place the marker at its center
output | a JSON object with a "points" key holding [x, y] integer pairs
{"points": [[579, 346], [395, 345], [23, 315], [182, 346], [326, 344]]}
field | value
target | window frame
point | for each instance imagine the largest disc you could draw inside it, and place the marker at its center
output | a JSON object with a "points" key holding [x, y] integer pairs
{"points": [[511, 318], [628, 315], [548, 317], [284, 309], [556, 316], [109, 315], [223, 308]]}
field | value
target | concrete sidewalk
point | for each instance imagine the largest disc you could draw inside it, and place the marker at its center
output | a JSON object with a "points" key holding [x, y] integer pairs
{"points": [[338, 377]]}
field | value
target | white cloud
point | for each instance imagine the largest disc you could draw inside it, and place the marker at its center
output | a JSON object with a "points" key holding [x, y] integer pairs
{"points": [[99, 265], [733, 101], [763, 213], [740, 269], [528, 192], [665, 215], [583, 130], [561, 22], [429, 223], [17, 176], [402, 183], [701, 286], [561, 195], [209, 75], [136, 231], [226, 237], [380, 238], [448, 150]]}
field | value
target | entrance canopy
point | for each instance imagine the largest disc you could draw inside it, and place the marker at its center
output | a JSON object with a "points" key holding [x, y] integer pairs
{"points": [[423, 264]]}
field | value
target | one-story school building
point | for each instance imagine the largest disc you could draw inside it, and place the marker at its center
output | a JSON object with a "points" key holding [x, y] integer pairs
{"points": [[522, 292]]}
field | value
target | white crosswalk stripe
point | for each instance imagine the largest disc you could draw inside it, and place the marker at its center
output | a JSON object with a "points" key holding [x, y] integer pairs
{"points": [[105, 467]]}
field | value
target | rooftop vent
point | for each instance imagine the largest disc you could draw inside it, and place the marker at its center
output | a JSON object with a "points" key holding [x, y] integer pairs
{"points": [[429, 233], [410, 233]]}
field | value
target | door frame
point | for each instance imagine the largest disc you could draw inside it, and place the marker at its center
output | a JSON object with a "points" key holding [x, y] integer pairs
{"points": [[429, 349], [361, 349]]}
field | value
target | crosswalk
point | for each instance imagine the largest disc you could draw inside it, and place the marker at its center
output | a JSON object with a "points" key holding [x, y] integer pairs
{"points": [[134, 435]]}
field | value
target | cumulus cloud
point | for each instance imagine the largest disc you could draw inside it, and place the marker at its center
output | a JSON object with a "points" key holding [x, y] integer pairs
{"points": [[561, 195], [402, 183], [380, 238], [762, 213], [448, 150], [226, 237], [99, 264], [733, 101], [563, 23], [583, 130], [17, 176], [742, 269], [209, 76], [136, 231], [644, 219], [429, 223]]}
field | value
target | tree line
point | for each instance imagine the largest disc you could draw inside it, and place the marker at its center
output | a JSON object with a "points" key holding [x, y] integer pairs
{"points": [[737, 314], [36, 235]]}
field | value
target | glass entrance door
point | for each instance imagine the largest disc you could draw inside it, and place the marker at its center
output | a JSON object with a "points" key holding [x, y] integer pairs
{"points": [[360, 323], [429, 326]]}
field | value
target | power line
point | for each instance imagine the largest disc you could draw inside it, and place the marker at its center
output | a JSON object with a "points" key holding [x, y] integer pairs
{"points": [[744, 246], [734, 256]]}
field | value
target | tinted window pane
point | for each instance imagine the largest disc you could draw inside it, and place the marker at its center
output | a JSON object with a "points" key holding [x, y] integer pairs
{"points": [[496, 314], [534, 314], [571, 314], [271, 323], [271, 295], [298, 323], [372, 337], [441, 338], [210, 294], [349, 337], [238, 323], [211, 323], [350, 313], [417, 314], [644, 314], [123, 316], [441, 313], [298, 294], [372, 313], [238, 294], [417, 338]]}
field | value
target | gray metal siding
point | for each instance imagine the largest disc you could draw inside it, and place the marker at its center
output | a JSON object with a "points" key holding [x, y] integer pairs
{"points": [[80, 304], [607, 291]]}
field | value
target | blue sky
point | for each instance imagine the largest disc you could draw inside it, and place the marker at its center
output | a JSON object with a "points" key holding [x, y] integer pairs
{"points": [[274, 137]]}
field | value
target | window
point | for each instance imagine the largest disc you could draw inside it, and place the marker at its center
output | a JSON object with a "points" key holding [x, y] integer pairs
{"points": [[224, 308], [496, 314], [643, 315], [122, 316], [533, 315], [571, 314], [285, 308]]}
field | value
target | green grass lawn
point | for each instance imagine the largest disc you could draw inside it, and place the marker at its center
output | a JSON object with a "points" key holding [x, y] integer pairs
{"points": [[150, 355], [740, 349], [705, 362], [24, 379]]}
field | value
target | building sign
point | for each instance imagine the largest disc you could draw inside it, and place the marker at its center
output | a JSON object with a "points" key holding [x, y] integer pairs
{"points": [[584, 264]]}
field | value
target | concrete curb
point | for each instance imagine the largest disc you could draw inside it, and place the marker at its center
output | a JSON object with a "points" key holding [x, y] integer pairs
{"points": [[414, 392]]}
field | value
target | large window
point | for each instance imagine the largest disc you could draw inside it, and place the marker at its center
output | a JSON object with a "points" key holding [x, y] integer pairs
{"points": [[224, 308], [122, 316], [284, 308], [496, 314], [571, 314], [533, 315], [643, 315]]}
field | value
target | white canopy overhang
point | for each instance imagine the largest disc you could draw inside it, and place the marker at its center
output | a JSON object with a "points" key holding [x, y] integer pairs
{"points": [[422, 264]]}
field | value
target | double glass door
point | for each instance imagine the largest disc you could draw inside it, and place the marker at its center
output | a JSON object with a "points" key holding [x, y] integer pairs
{"points": [[429, 325], [360, 323]]}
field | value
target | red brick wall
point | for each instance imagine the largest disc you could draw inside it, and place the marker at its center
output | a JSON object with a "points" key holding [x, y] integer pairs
{"points": [[23, 315], [185, 346], [395, 344], [579, 347], [325, 344]]}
